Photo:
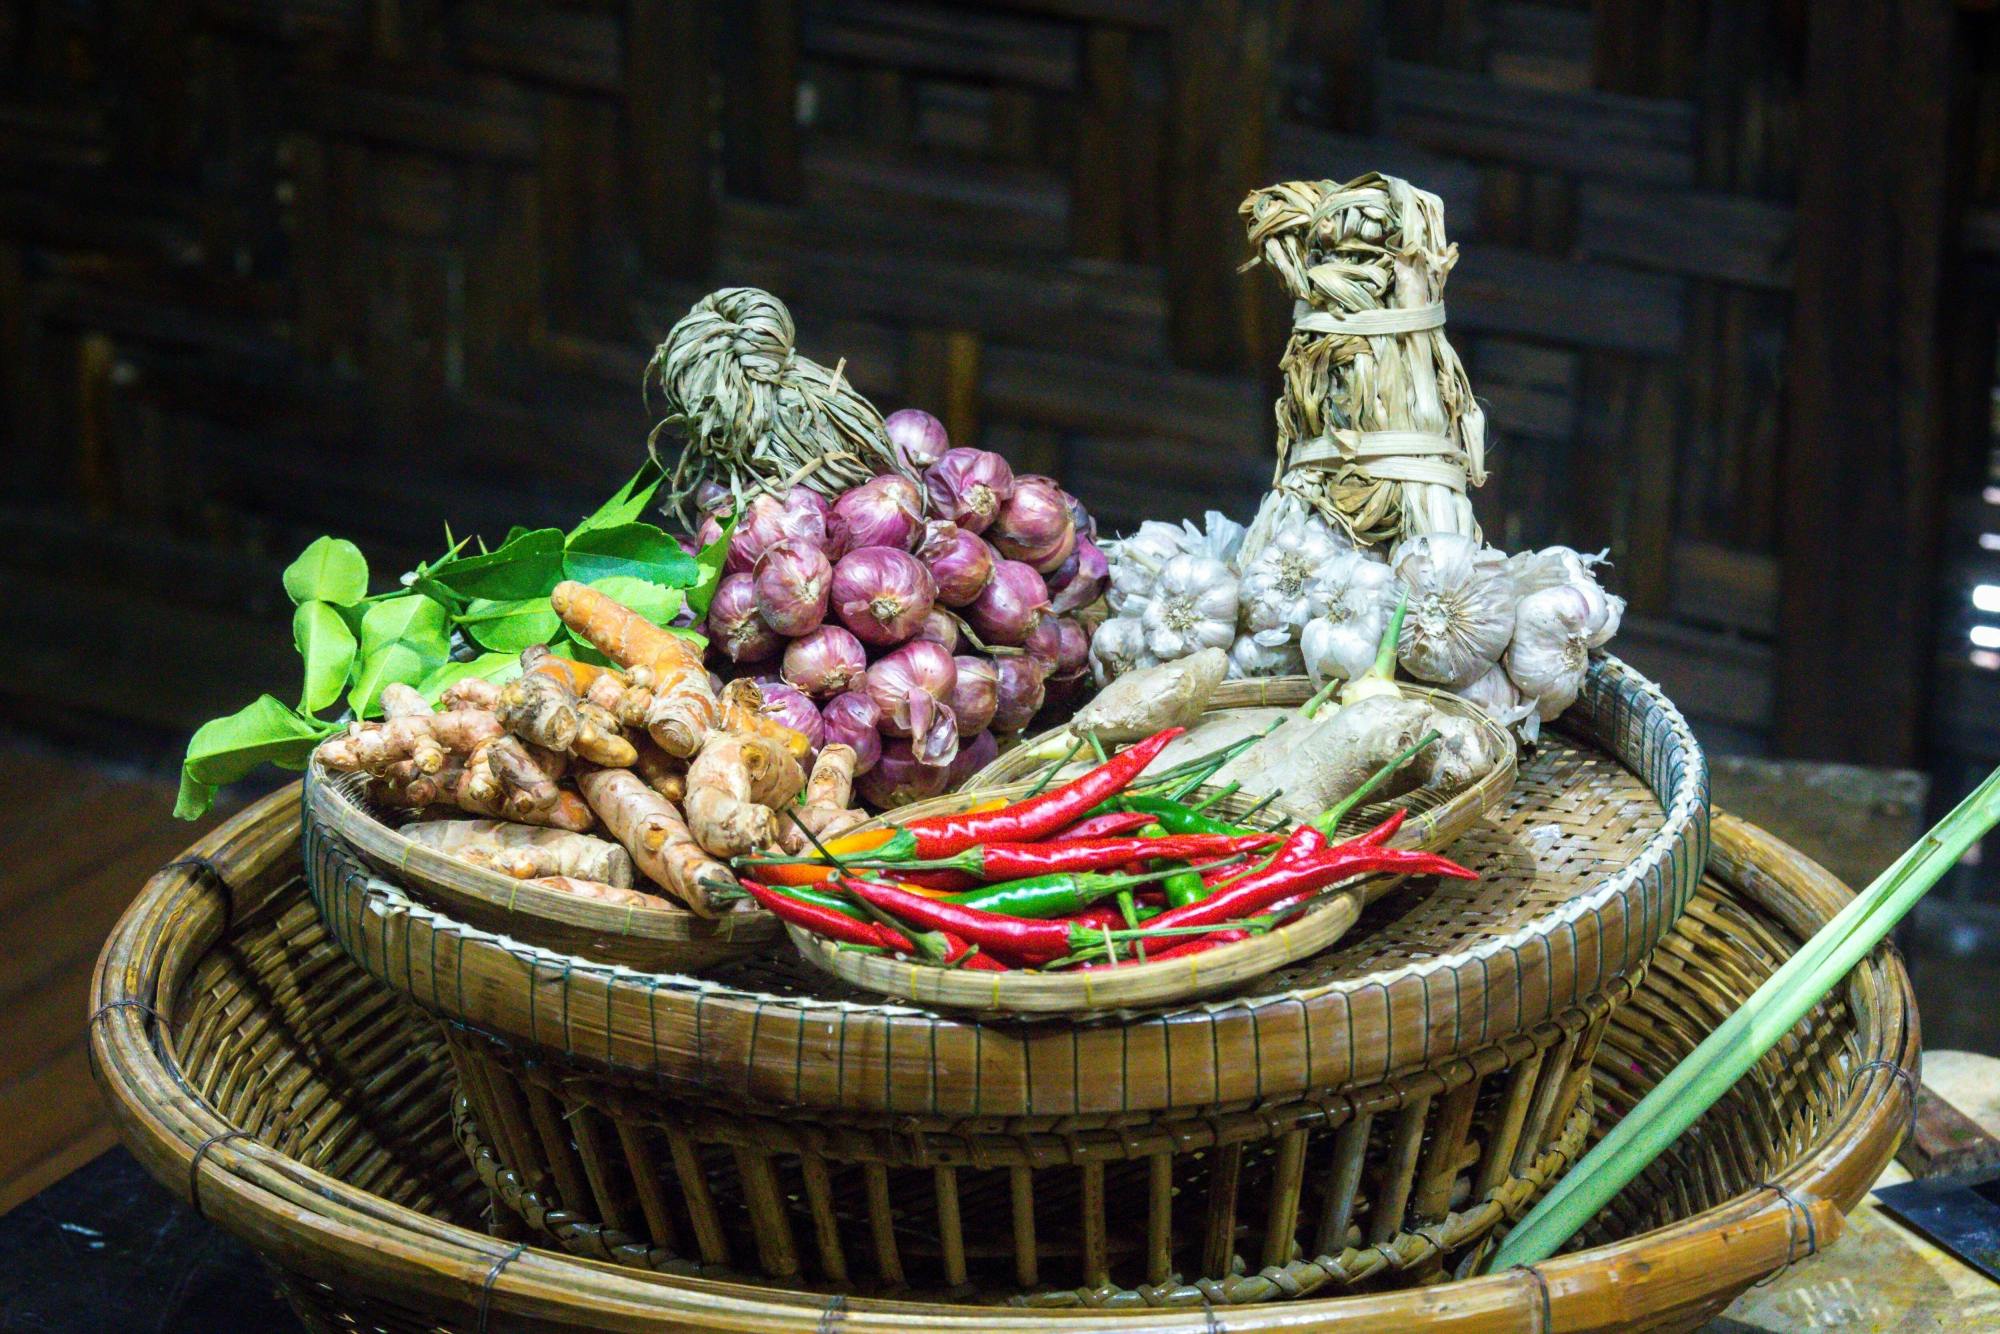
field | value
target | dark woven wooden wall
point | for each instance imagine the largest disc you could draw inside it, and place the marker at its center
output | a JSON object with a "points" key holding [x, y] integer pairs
{"points": [[274, 267]]}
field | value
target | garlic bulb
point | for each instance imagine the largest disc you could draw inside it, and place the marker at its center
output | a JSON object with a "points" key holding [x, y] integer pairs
{"points": [[1503, 701], [1220, 539], [1461, 611], [1251, 656], [1551, 648], [1283, 585], [1119, 646], [1533, 571], [1356, 594], [1193, 607], [1136, 562]]}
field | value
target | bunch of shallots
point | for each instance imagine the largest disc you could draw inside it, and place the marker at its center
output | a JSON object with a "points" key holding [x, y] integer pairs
{"points": [[913, 622]]}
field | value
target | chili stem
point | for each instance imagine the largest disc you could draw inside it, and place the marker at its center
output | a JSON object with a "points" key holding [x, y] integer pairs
{"points": [[1055, 767], [1096, 747], [1216, 796], [1338, 812]]}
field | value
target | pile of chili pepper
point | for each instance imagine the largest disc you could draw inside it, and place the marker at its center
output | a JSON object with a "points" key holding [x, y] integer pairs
{"points": [[1088, 874]]}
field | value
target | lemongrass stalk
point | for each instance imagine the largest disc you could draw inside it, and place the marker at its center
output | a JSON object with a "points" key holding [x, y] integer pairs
{"points": [[1713, 1068]]}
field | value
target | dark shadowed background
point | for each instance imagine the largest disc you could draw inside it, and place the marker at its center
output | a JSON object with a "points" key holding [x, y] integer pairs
{"points": [[1729, 287]]}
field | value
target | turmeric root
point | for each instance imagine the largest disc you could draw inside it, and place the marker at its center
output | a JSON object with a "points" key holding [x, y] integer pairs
{"points": [[542, 705], [471, 692], [599, 739], [683, 707], [526, 774], [652, 830], [524, 852], [720, 809], [666, 777], [743, 711], [828, 793], [422, 737], [585, 888]]}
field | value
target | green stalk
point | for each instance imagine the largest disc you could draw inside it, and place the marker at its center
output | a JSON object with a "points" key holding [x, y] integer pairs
{"points": [[1055, 768], [1694, 1085], [1331, 819]]}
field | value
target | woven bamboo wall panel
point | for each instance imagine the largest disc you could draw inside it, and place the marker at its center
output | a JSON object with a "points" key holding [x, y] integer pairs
{"points": [[274, 267]]}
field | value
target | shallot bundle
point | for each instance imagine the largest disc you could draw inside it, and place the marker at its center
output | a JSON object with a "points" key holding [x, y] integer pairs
{"points": [[913, 621]]}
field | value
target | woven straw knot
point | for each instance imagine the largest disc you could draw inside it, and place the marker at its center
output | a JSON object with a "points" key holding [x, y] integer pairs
{"points": [[755, 411], [757, 328]]}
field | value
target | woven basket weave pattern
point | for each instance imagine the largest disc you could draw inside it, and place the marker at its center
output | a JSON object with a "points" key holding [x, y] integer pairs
{"points": [[264, 1025]]}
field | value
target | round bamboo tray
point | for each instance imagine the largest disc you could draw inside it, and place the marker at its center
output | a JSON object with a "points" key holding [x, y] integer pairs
{"points": [[1433, 823], [305, 1108], [1584, 865], [665, 939]]}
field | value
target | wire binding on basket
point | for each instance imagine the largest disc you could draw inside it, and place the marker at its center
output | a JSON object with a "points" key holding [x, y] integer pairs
{"points": [[1792, 1257], [214, 878], [1542, 1289], [830, 1318], [127, 1004], [486, 1288], [194, 1165]]}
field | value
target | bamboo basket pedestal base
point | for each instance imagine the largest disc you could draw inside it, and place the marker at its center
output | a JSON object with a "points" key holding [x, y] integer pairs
{"points": [[306, 1108]]}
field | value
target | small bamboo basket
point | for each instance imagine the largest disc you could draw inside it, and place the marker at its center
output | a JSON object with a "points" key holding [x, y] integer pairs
{"points": [[307, 1109], [1434, 823], [665, 939]]}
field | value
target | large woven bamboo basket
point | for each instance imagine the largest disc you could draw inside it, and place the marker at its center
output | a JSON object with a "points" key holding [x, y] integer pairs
{"points": [[302, 1106], [1434, 821], [667, 938]]}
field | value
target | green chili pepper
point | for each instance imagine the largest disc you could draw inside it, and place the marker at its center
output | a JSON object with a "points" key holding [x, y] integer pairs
{"points": [[1057, 895], [1176, 817]]}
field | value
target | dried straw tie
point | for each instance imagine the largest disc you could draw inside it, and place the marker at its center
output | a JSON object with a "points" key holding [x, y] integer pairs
{"points": [[1377, 427], [755, 413]]}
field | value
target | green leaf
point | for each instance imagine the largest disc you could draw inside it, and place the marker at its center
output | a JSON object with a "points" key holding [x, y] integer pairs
{"points": [[509, 627], [327, 645], [267, 731], [656, 603], [525, 566], [495, 667], [709, 564], [403, 639], [581, 651], [628, 502], [194, 798], [331, 569], [637, 550]]}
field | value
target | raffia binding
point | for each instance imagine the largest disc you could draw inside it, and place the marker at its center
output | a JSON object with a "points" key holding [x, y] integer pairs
{"points": [[1378, 430]]}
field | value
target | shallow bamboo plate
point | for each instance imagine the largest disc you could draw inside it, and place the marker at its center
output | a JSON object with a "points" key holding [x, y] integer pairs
{"points": [[654, 939], [305, 1108], [1433, 824]]}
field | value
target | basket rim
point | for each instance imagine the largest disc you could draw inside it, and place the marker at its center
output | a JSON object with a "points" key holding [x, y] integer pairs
{"points": [[451, 881], [328, 1231]]}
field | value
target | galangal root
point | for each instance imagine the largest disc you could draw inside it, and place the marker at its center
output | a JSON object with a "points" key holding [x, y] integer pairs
{"points": [[526, 853], [682, 709]]}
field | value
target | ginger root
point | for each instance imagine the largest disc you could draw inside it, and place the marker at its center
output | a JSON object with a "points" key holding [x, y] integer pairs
{"points": [[721, 808], [652, 830], [683, 707], [524, 852]]}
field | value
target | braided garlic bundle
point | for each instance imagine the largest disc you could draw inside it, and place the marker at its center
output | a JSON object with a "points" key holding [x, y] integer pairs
{"points": [[1378, 431], [756, 414]]}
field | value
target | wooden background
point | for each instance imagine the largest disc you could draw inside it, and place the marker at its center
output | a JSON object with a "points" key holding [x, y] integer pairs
{"points": [[275, 267]]}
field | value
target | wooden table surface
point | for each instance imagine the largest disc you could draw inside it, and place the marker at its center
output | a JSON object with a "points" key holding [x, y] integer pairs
{"points": [[79, 842]]}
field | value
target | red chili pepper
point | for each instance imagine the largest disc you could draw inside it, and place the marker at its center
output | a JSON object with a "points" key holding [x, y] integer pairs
{"points": [[1016, 940], [1015, 861], [1037, 817], [827, 922], [1199, 945], [1111, 824], [1290, 877], [943, 882]]}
